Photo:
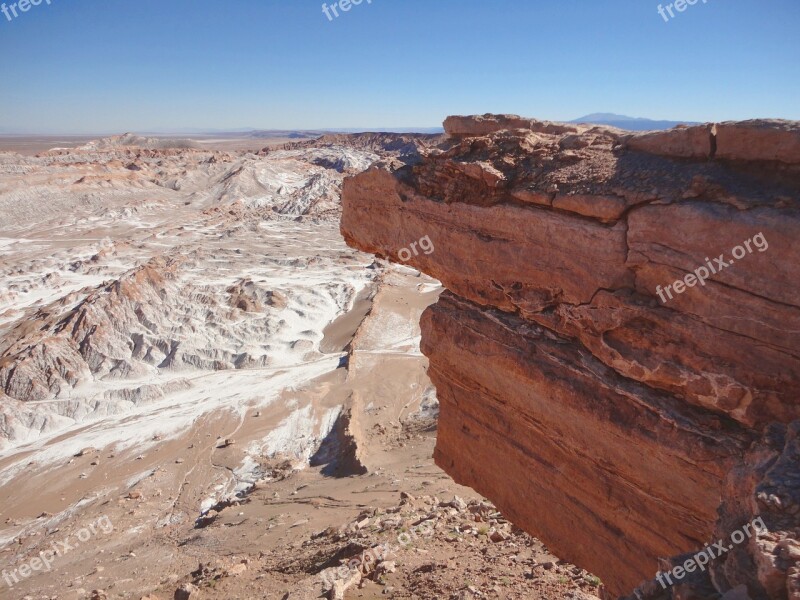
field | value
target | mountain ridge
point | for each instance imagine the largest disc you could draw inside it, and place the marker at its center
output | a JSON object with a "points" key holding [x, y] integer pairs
{"points": [[630, 123]]}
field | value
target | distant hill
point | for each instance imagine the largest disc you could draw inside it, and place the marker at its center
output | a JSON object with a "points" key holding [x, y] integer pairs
{"points": [[298, 134], [131, 139], [630, 123], [425, 130], [279, 133]]}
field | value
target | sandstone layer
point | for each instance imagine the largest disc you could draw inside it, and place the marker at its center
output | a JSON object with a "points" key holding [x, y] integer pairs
{"points": [[619, 415]]}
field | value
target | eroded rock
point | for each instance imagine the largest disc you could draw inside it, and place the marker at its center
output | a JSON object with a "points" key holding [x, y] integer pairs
{"points": [[565, 379]]}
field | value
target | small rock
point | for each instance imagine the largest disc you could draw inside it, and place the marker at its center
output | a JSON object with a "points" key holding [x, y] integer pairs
{"points": [[790, 549], [387, 566], [298, 523], [187, 591], [498, 536], [458, 503], [737, 593], [98, 595], [237, 569], [340, 586]]}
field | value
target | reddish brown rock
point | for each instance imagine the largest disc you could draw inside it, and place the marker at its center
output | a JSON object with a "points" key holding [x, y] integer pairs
{"points": [[598, 415], [573, 267], [588, 256], [589, 459], [605, 208], [486, 124], [681, 142], [759, 140]]}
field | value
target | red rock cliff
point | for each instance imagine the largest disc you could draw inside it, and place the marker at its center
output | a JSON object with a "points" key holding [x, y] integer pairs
{"points": [[618, 419]]}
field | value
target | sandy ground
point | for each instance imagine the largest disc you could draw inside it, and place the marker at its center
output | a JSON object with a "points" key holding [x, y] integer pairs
{"points": [[31, 145], [242, 144]]}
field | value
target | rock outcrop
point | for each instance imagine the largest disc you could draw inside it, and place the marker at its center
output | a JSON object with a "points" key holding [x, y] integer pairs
{"points": [[617, 356]]}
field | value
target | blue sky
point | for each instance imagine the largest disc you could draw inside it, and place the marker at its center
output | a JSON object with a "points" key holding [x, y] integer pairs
{"points": [[103, 66]]}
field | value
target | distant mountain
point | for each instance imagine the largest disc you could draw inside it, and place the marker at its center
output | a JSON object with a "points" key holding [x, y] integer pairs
{"points": [[241, 132], [299, 134], [280, 133], [630, 123], [130, 139]]}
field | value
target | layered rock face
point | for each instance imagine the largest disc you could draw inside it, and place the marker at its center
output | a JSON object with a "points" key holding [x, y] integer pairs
{"points": [[618, 353]]}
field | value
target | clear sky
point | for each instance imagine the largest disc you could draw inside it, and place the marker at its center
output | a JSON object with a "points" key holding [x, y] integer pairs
{"points": [[104, 66]]}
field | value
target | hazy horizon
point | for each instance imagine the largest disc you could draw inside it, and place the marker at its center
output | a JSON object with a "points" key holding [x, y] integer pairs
{"points": [[211, 131]]}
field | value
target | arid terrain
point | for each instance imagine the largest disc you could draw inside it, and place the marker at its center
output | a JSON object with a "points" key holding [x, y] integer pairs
{"points": [[229, 373], [204, 393]]}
